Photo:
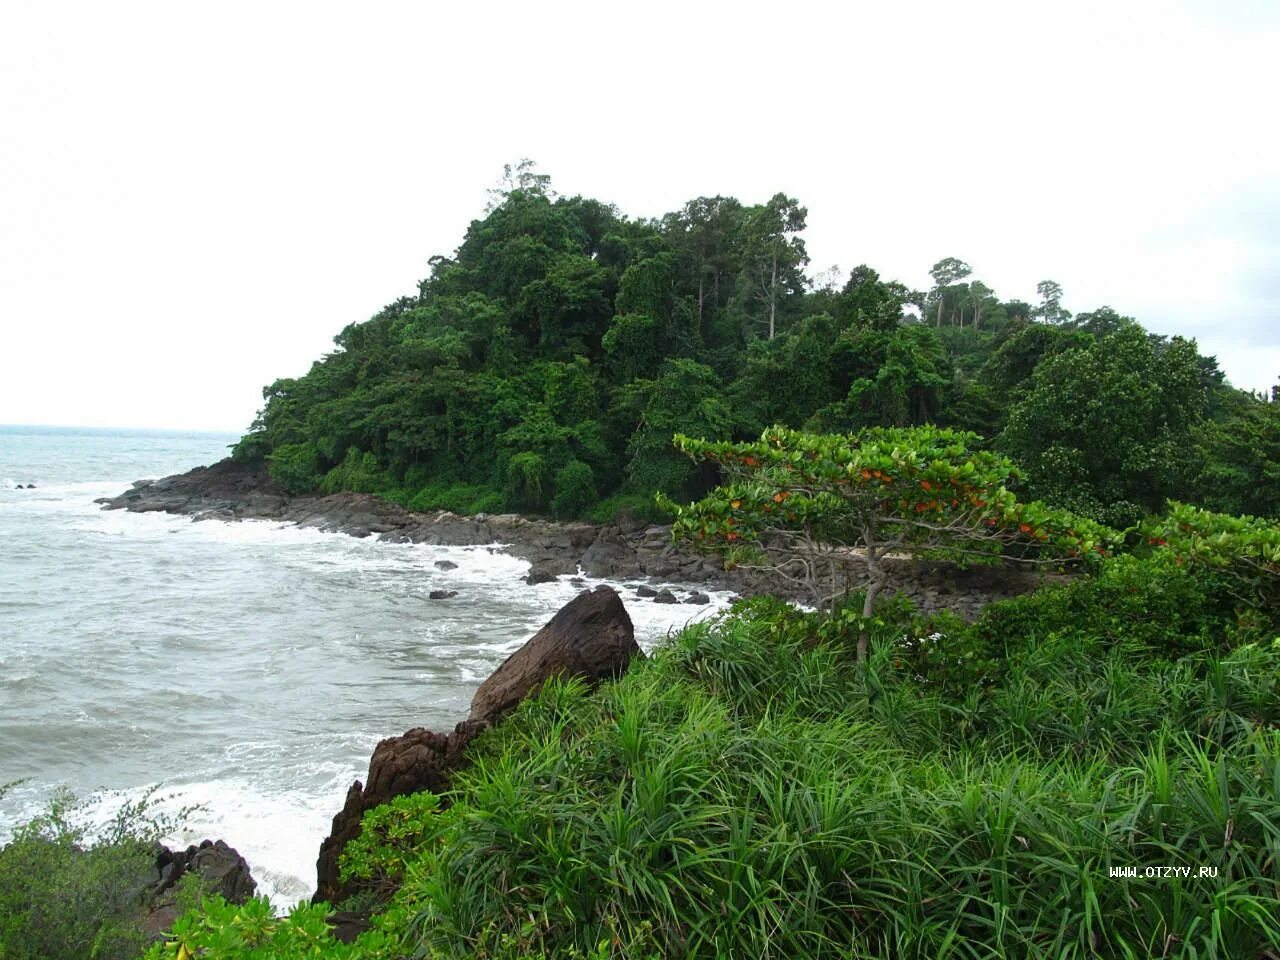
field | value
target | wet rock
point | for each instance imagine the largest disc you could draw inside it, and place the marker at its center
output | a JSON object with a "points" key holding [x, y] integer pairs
{"points": [[645, 591], [698, 597], [665, 596], [608, 557], [441, 594], [539, 575], [445, 565]]}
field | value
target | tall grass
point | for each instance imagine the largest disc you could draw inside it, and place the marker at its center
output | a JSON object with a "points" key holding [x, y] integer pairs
{"points": [[748, 793]]}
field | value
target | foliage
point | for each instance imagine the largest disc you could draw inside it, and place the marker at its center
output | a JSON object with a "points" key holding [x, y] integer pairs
{"points": [[1102, 430], [1240, 553], [918, 491], [745, 792], [251, 931], [561, 331], [575, 490], [65, 893], [1240, 460], [457, 498]]}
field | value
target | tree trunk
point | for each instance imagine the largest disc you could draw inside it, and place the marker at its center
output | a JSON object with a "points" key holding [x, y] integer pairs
{"points": [[868, 605], [939, 322], [773, 294], [701, 282]]}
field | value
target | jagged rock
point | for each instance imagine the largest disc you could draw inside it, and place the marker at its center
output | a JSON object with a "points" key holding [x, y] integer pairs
{"points": [[445, 565], [591, 637], [645, 591], [697, 597], [418, 760], [441, 594], [665, 596], [220, 867]]}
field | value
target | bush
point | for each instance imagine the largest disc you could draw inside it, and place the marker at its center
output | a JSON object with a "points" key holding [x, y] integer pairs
{"points": [[459, 498], [296, 467], [635, 507], [358, 472], [64, 895], [575, 490]]}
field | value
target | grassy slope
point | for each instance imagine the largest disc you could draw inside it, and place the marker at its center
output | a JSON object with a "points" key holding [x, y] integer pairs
{"points": [[747, 793]]}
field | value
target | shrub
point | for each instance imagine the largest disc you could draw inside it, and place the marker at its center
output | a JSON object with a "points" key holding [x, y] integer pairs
{"points": [[635, 507], [66, 895], [358, 472], [575, 488], [296, 467]]}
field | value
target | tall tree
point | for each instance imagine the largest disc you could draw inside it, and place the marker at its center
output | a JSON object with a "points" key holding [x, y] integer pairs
{"points": [[774, 254], [946, 273], [981, 299], [704, 233], [1050, 308]]}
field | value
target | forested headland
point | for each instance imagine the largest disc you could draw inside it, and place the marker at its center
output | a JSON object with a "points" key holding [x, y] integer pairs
{"points": [[1089, 770], [545, 366]]}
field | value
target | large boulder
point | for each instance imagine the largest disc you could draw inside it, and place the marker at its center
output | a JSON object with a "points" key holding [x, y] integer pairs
{"points": [[591, 637]]}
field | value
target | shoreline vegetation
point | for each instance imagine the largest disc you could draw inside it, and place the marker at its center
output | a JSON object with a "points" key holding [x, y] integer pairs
{"points": [[945, 758]]}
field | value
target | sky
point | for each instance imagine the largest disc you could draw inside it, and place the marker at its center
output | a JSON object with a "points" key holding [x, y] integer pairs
{"points": [[194, 198]]}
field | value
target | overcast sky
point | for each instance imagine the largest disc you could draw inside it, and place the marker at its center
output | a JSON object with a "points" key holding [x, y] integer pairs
{"points": [[194, 198]]}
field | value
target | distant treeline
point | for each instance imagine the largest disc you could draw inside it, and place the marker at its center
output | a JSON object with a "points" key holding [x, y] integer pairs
{"points": [[546, 365]]}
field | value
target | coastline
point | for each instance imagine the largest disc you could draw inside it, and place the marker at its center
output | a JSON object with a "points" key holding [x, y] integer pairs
{"points": [[228, 490]]}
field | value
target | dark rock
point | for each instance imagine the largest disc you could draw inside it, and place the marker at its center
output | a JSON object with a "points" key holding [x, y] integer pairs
{"points": [[446, 565], [608, 557], [577, 581], [697, 597], [591, 637], [220, 868], [539, 575], [31, 486], [645, 591], [665, 596], [418, 760], [346, 925], [441, 594]]}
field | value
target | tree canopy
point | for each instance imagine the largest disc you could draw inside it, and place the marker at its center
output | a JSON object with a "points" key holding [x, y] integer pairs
{"points": [[545, 365]]}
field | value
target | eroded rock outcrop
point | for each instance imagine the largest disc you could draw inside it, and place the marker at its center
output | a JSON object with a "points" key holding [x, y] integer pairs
{"points": [[220, 868], [590, 637]]}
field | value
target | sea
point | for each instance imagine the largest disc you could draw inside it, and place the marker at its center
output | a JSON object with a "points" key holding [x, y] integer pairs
{"points": [[243, 669]]}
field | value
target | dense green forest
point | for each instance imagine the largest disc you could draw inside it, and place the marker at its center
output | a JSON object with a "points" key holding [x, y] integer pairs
{"points": [[546, 365]]}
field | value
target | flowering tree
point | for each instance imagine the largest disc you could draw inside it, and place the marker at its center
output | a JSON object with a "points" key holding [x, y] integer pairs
{"points": [[806, 505]]}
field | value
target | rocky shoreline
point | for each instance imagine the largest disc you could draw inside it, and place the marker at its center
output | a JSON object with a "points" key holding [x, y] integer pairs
{"points": [[623, 550], [591, 638]]}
